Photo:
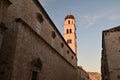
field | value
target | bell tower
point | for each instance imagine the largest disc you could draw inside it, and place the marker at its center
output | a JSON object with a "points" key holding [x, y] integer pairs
{"points": [[70, 32]]}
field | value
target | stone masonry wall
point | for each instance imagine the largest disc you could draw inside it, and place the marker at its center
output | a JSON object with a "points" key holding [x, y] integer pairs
{"points": [[22, 45], [29, 15], [54, 67], [112, 46]]}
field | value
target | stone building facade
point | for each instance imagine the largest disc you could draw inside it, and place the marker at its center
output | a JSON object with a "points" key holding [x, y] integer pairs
{"points": [[32, 47], [82, 74], [94, 75], [110, 61]]}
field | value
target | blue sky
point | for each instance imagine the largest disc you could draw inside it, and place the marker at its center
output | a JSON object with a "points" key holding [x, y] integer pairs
{"points": [[92, 17]]}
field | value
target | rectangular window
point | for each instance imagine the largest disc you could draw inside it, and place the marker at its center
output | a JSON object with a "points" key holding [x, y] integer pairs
{"points": [[70, 30], [34, 75], [69, 41], [53, 34], [38, 25], [39, 22]]}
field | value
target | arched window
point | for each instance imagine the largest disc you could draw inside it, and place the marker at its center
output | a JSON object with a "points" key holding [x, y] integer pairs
{"points": [[68, 21], [37, 63], [36, 67], [67, 31]]}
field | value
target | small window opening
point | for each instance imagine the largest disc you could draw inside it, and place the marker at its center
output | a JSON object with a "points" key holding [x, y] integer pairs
{"points": [[68, 21], [39, 17], [53, 35], [118, 76], [67, 31], [69, 41], [72, 57], [62, 45], [67, 52], [70, 30], [119, 51]]}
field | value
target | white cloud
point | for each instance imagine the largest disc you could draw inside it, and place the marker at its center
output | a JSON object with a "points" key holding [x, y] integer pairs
{"points": [[91, 19], [88, 20], [114, 17]]}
